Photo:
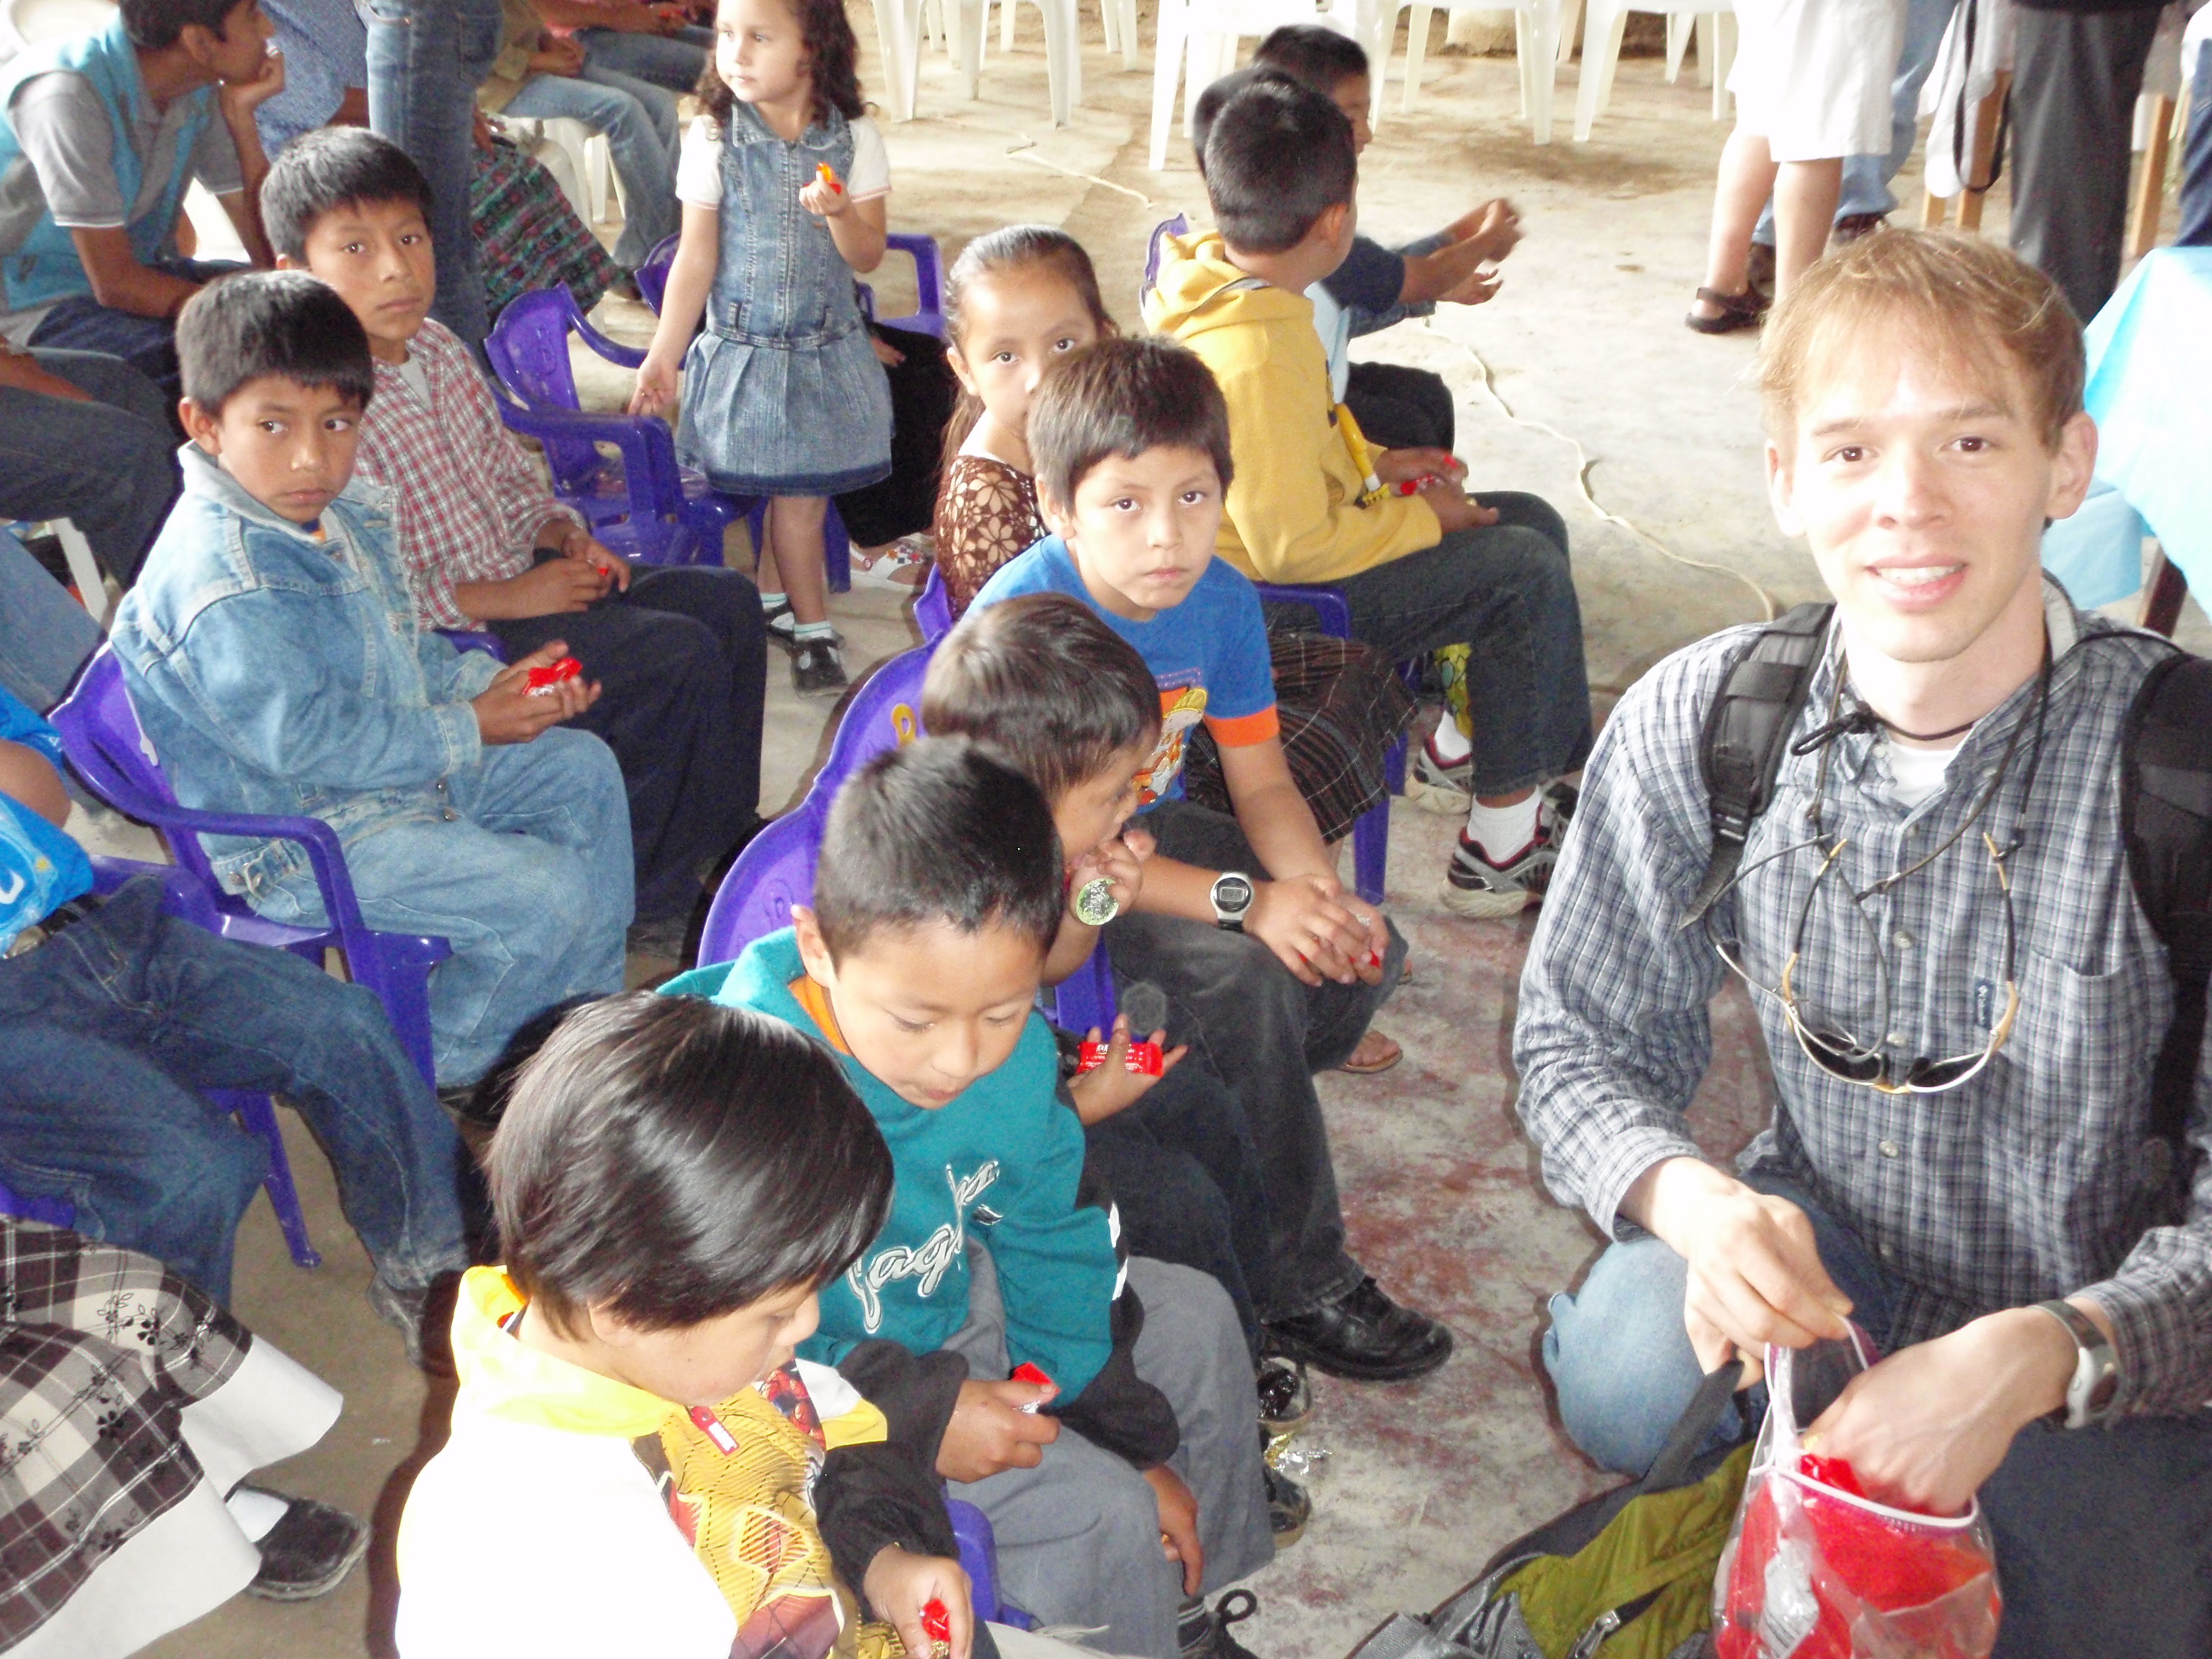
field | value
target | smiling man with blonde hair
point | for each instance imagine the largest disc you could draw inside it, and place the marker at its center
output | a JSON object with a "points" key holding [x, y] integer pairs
{"points": [[1960, 992]]}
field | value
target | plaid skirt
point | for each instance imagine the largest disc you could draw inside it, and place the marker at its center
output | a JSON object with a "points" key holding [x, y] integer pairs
{"points": [[1341, 705], [528, 236]]}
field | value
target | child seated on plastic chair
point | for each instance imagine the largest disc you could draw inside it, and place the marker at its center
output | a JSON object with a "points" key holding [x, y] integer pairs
{"points": [[680, 653], [675, 1183]]}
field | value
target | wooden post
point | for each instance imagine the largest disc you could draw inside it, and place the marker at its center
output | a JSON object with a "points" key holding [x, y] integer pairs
{"points": [[1981, 171], [2150, 183], [1931, 210]]}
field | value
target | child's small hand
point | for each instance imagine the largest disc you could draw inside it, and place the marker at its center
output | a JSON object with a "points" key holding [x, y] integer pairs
{"points": [[1479, 287], [656, 387], [1123, 869], [1404, 465], [1179, 1526], [1495, 227], [825, 197], [898, 1584], [1112, 1087], [989, 1430], [507, 711]]}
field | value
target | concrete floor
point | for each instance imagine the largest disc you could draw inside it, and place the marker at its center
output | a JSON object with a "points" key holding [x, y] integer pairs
{"points": [[1422, 1482]]}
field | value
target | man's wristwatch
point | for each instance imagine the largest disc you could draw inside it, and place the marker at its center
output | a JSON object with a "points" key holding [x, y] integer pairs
{"points": [[2096, 1369], [1232, 897]]}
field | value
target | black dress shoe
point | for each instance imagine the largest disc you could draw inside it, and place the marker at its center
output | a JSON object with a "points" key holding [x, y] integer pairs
{"points": [[1363, 1335], [308, 1551]]}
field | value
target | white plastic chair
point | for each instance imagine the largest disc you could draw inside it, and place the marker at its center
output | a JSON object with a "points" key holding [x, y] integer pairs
{"points": [[1535, 45], [1196, 46], [901, 26], [1118, 18], [26, 22], [84, 570], [585, 165], [1715, 27]]}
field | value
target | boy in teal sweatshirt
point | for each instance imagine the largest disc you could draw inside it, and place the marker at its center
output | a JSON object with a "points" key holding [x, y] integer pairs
{"points": [[937, 895]]}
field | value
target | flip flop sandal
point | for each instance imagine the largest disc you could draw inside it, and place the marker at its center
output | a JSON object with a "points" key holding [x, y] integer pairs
{"points": [[1368, 1068], [1744, 310]]}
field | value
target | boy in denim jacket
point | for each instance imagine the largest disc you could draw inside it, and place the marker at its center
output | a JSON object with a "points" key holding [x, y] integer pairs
{"points": [[271, 652]]}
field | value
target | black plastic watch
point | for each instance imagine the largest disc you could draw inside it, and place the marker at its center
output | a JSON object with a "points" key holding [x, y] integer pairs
{"points": [[2096, 1369], [1232, 897]]}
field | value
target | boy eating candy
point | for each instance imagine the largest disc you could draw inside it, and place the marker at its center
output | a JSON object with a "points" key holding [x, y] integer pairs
{"points": [[937, 894], [270, 652], [1240, 920]]}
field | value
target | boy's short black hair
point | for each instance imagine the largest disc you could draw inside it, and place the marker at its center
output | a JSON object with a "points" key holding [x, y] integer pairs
{"points": [[263, 325], [1045, 684], [329, 168], [1123, 397], [155, 24], [1218, 92], [937, 831], [1277, 155], [1313, 54], [670, 1161]]}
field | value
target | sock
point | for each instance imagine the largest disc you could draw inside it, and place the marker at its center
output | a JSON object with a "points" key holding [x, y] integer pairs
{"points": [[1450, 745], [1503, 831], [256, 1512], [821, 630], [773, 601]]}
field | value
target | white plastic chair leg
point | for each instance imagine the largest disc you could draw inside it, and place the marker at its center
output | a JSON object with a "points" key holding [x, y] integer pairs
{"points": [[1417, 51], [971, 24], [1677, 41], [1006, 9], [1721, 30], [1169, 45], [1063, 57], [1538, 29], [898, 34], [1569, 15], [83, 568], [1708, 27], [1601, 31], [600, 168]]}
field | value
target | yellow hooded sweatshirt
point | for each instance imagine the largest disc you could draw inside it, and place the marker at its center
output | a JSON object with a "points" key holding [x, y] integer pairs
{"points": [[1295, 506]]}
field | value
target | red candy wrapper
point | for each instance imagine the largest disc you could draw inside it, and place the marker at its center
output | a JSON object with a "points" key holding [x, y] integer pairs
{"points": [[936, 1624], [542, 680], [828, 176], [1034, 1376], [1143, 1058]]}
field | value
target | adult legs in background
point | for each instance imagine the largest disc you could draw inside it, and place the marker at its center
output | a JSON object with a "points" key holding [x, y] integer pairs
{"points": [[2076, 76], [1805, 194], [640, 125], [682, 661], [672, 62], [1402, 408], [2196, 230], [530, 881], [148, 344], [425, 60], [135, 1011], [44, 635], [922, 395], [108, 463]]}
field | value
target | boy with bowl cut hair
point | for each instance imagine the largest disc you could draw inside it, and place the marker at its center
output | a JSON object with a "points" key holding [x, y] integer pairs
{"points": [[1273, 970], [1312, 503], [680, 652], [938, 893], [1987, 1193], [270, 652]]}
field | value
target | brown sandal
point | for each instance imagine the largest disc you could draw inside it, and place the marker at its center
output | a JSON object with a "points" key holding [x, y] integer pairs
{"points": [[1389, 1056], [1744, 310]]}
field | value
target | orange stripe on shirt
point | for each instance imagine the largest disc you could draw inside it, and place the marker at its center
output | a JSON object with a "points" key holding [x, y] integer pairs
{"points": [[1246, 729]]}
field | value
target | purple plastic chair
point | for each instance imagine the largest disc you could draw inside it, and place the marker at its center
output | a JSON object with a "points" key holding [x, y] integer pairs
{"points": [[933, 608], [100, 733], [979, 1557], [60, 1212], [926, 317]]}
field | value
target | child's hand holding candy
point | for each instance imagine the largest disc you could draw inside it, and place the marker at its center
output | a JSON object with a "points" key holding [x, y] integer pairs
{"points": [[1111, 1086], [825, 197]]}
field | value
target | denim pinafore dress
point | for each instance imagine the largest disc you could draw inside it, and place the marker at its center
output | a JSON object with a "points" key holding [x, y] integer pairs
{"points": [[783, 394]]}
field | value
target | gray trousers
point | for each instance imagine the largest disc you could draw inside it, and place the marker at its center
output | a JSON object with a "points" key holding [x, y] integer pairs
{"points": [[2076, 76], [1078, 1536]]}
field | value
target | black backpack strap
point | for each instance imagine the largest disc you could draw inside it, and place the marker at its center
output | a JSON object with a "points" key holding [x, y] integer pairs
{"points": [[1740, 751], [2166, 819], [1671, 1468]]}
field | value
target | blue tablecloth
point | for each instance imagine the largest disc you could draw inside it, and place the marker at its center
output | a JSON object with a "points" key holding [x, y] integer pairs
{"points": [[2150, 393]]}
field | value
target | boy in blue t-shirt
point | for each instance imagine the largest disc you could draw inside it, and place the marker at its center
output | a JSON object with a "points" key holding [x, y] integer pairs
{"points": [[1269, 964]]}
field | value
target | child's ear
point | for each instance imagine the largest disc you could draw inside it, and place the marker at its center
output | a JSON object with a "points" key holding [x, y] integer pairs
{"points": [[959, 359], [1057, 519], [813, 949], [286, 262], [201, 427]]}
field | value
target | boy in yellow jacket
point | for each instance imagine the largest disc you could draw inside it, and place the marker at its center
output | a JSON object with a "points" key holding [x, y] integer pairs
{"points": [[1420, 563]]}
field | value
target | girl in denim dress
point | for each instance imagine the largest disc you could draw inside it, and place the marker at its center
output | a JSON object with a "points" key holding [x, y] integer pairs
{"points": [[782, 183]]}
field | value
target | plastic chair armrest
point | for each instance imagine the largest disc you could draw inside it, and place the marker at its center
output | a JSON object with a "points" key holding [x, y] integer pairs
{"points": [[613, 351], [1329, 608], [649, 452], [469, 638]]}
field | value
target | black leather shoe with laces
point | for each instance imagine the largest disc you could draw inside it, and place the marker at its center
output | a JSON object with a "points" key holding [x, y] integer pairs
{"points": [[1363, 1336]]}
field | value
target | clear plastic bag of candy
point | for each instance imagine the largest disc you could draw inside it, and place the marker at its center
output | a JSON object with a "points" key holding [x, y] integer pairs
{"points": [[1814, 1569]]}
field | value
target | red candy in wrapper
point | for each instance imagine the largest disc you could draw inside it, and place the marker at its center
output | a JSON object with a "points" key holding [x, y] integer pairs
{"points": [[542, 680], [936, 1624], [1143, 1058], [1034, 1376]]}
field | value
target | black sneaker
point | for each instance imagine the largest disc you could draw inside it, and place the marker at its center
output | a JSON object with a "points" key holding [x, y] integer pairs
{"points": [[1202, 1632], [1852, 226], [1288, 1509], [1285, 1398], [1363, 1336], [781, 625], [425, 1319], [817, 670], [309, 1552]]}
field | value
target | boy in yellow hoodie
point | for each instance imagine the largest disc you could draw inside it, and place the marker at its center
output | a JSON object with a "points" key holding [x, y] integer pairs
{"points": [[638, 1463], [1420, 563]]}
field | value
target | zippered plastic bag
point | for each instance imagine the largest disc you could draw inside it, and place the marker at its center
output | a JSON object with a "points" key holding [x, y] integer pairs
{"points": [[1814, 1569]]}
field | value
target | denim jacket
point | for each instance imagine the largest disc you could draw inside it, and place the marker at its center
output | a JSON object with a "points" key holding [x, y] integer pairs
{"points": [[275, 673]]}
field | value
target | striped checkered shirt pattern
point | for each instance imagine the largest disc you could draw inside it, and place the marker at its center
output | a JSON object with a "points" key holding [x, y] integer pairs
{"points": [[2037, 1178], [468, 498]]}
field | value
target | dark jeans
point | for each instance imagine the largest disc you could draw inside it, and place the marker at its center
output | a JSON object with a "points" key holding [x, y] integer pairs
{"points": [[1265, 1035], [2196, 162], [682, 661], [109, 467], [111, 1028], [2075, 75], [148, 345], [922, 395], [2104, 1536], [1508, 591], [1402, 408], [425, 60], [1186, 1177]]}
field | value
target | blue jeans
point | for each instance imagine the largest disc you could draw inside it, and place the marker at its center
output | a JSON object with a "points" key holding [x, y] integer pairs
{"points": [[2135, 1579], [425, 60], [1507, 592], [674, 62], [148, 344], [108, 465], [529, 879], [1866, 178], [2197, 162], [111, 1027], [44, 635], [640, 124]]}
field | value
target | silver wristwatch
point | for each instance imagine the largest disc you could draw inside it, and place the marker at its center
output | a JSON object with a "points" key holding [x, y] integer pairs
{"points": [[1232, 897], [2096, 1369]]}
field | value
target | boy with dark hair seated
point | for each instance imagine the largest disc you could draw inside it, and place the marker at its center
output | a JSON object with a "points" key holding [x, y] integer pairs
{"points": [[1311, 503], [680, 652], [273, 659], [937, 896], [1272, 970], [675, 1184]]}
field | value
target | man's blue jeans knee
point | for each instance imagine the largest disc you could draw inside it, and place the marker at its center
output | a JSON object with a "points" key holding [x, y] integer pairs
{"points": [[639, 124], [670, 61]]}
